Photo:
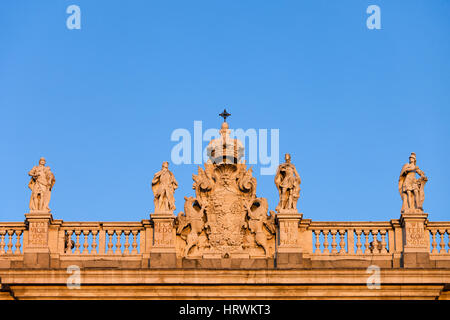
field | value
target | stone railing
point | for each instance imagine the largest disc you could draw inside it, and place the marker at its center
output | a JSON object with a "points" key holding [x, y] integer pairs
{"points": [[440, 237], [101, 238], [42, 242], [11, 238], [352, 238]]}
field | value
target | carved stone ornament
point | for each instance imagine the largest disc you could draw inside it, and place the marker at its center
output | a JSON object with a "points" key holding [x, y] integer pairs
{"points": [[225, 219]]}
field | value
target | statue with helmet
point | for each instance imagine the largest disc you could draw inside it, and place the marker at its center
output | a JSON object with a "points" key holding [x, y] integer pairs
{"points": [[411, 188]]}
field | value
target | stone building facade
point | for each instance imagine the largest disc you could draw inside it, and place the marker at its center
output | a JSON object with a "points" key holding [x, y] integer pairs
{"points": [[226, 244]]}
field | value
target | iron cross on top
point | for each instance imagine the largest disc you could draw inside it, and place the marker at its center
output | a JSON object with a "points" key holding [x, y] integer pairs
{"points": [[224, 115]]}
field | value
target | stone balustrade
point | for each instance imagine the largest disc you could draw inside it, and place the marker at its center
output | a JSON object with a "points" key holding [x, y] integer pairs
{"points": [[130, 244], [11, 238], [440, 237], [352, 238], [101, 238]]}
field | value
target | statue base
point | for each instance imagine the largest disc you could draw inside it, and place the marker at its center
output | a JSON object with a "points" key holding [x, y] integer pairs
{"points": [[39, 214], [289, 252], [161, 214], [412, 211], [288, 211], [416, 245], [36, 248], [163, 252]]}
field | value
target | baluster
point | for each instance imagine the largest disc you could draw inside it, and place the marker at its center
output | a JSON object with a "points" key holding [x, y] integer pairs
{"points": [[433, 243], [18, 244], [118, 244], [333, 241], [10, 242], [448, 244], [358, 242], [69, 242], [110, 243], [383, 241], [86, 241], [77, 243], [102, 245], [342, 241], [94, 242], [126, 249], [2, 242], [326, 249], [134, 244], [375, 241], [442, 243], [366, 241], [317, 245]]}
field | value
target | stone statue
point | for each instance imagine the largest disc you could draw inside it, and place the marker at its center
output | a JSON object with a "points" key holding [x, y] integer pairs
{"points": [[163, 187], [41, 184], [193, 218], [288, 182], [258, 220], [412, 189]]}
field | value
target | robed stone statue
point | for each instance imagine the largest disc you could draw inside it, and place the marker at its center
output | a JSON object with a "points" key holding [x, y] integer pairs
{"points": [[41, 184], [163, 187], [288, 182]]}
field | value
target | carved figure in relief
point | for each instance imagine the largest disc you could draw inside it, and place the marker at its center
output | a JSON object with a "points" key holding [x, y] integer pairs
{"points": [[41, 184], [258, 220], [163, 187], [412, 189], [247, 182], [203, 184], [193, 218], [288, 183]]}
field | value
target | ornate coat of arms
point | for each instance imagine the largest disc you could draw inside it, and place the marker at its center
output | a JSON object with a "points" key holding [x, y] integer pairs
{"points": [[225, 219]]}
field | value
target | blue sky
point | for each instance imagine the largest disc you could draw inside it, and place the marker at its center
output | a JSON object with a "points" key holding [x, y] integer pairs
{"points": [[101, 103]]}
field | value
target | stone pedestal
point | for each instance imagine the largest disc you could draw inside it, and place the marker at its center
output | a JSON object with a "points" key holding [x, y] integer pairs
{"points": [[416, 242], [289, 253], [163, 252], [36, 251]]}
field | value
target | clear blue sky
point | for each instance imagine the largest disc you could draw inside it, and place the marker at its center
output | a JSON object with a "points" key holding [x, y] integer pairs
{"points": [[100, 103]]}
